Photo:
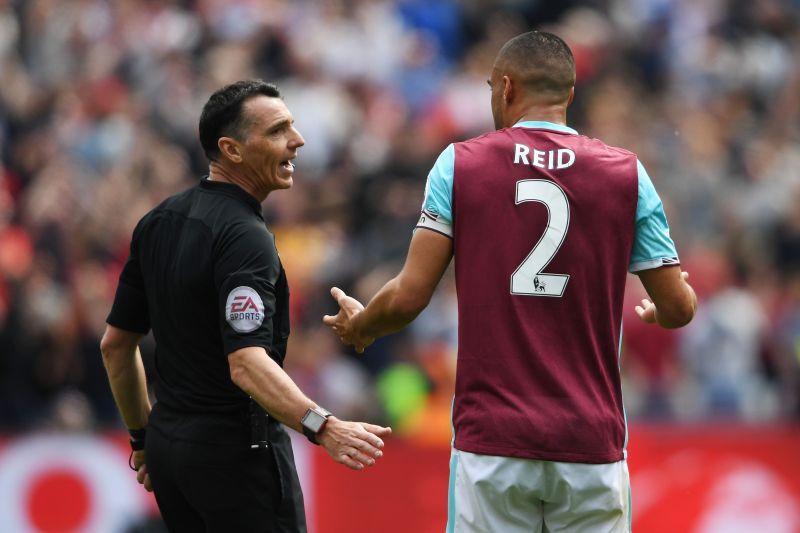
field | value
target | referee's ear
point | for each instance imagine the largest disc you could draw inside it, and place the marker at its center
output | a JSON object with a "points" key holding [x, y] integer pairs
{"points": [[230, 149]]}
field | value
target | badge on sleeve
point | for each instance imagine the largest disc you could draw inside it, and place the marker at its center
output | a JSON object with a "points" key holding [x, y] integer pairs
{"points": [[244, 309]]}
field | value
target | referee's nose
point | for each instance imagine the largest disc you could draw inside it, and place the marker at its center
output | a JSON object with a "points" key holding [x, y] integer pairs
{"points": [[296, 140]]}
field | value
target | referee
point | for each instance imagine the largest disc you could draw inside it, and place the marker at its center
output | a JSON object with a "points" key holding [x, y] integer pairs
{"points": [[204, 275]]}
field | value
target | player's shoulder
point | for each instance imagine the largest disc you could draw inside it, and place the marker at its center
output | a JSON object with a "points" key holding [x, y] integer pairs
{"points": [[504, 134], [477, 148], [485, 138], [601, 146]]}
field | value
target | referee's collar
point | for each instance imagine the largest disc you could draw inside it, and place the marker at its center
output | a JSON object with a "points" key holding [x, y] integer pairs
{"points": [[231, 189], [544, 125]]}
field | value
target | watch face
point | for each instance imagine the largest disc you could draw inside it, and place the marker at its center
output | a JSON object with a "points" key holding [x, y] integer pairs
{"points": [[313, 421]]}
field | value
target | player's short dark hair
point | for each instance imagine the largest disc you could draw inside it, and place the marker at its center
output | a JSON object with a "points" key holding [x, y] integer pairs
{"points": [[222, 115], [543, 62]]}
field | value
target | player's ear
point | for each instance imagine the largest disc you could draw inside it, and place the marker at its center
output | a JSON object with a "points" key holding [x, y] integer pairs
{"points": [[571, 95], [508, 89], [230, 149]]}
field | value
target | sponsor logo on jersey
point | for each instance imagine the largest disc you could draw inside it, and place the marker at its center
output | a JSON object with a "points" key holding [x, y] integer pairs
{"points": [[431, 213], [244, 309]]}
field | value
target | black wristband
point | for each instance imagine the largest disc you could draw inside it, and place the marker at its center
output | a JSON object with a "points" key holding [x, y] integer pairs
{"points": [[137, 439]]}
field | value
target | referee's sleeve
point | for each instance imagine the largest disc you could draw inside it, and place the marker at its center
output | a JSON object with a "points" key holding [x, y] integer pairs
{"points": [[129, 310], [246, 272]]}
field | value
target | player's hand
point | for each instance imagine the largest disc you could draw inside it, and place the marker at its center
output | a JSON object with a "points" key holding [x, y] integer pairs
{"points": [[141, 470], [356, 445], [647, 311], [342, 322]]}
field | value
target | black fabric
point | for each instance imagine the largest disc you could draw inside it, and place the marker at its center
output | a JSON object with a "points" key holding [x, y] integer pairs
{"points": [[129, 310], [188, 256], [206, 477], [205, 275]]}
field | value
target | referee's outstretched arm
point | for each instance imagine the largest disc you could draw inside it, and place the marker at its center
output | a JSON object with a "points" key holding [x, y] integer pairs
{"points": [[354, 444]]}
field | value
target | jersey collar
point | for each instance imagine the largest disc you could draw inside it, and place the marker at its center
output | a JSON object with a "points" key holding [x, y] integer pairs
{"points": [[231, 189], [543, 125]]}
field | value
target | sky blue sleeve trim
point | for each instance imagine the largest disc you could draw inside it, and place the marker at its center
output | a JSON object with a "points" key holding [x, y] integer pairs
{"points": [[438, 202], [653, 263], [541, 124], [652, 245]]}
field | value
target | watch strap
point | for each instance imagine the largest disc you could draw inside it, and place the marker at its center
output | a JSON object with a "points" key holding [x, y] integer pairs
{"points": [[310, 434]]}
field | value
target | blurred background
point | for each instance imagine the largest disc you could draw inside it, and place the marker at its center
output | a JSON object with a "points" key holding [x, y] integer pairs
{"points": [[99, 103]]}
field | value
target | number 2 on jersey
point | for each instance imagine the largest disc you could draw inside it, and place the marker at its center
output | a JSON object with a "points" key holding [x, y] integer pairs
{"points": [[529, 279]]}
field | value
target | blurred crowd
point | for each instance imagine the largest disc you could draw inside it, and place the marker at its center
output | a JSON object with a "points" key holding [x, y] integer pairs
{"points": [[99, 103]]}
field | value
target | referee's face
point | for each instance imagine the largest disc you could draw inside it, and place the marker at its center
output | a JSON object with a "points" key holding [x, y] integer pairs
{"points": [[271, 144]]}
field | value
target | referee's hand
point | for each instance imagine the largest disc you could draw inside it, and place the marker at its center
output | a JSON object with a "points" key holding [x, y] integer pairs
{"points": [[141, 470], [354, 444]]}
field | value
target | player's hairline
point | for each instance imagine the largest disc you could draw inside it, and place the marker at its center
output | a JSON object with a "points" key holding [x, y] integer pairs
{"points": [[552, 68]]}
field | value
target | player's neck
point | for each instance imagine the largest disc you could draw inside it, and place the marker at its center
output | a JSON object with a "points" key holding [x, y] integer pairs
{"points": [[557, 114]]}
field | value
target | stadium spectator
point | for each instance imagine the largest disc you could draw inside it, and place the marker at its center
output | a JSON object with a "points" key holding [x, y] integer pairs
{"points": [[98, 110]]}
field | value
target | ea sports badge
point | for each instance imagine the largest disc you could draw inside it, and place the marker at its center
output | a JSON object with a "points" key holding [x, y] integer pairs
{"points": [[244, 309]]}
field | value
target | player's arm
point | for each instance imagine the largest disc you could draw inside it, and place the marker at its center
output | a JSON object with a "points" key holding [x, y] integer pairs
{"points": [[354, 444], [673, 300], [654, 259], [405, 296], [402, 298]]}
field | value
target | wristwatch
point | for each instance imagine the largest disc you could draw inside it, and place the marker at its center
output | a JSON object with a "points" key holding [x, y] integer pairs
{"points": [[313, 421]]}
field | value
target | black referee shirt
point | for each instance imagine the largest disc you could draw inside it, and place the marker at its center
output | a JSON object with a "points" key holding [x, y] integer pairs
{"points": [[204, 274]]}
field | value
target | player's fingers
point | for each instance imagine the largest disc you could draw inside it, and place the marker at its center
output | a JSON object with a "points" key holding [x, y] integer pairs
{"points": [[148, 485], [361, 346], [337, 294], [344, 340], [329, 320], [639, 310]]}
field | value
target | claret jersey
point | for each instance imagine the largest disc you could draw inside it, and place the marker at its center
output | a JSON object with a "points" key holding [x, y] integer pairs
{"points": [[546, 224]]}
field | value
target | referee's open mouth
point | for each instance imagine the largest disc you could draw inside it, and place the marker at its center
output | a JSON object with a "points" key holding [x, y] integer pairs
{"points": [[287, 166]]}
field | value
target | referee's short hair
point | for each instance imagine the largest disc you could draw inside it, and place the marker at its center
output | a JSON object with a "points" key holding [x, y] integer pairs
{"points": [[222, 115]]}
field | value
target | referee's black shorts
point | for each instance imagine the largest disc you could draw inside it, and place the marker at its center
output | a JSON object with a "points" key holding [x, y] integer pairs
{"points": [[206, 478]]}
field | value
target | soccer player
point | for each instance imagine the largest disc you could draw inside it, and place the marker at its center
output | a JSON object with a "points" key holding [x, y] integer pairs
{"points": [[544, 225]]}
